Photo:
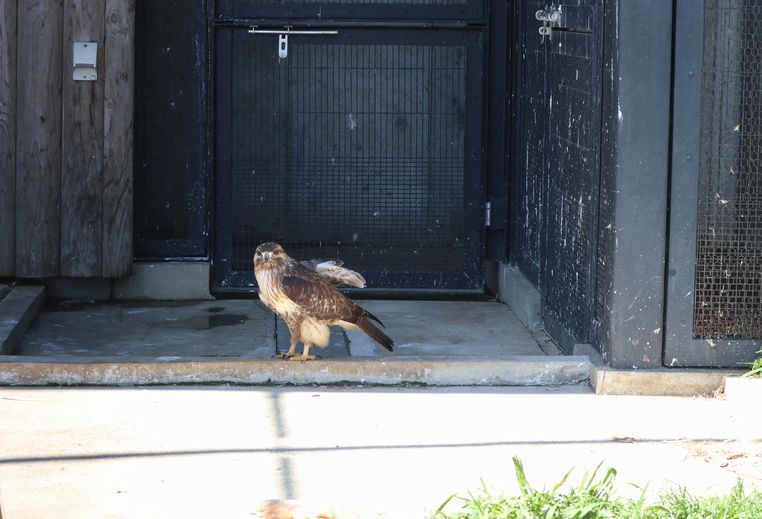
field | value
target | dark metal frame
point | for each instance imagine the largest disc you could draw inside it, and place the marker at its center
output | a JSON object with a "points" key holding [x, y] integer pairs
{"points": [[197, 247], [294, 12], [498, 136], [634, 182], [681, 347], [227, 280]]}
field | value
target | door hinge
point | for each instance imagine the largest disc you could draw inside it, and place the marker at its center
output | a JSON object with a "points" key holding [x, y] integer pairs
{"points": [[284, 33], [488, 214]]}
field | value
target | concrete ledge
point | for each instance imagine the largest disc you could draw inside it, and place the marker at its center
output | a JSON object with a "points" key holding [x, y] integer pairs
{"points": [[515, 290], [449, 371], [18, 310], [651, 382], [168, 281]]}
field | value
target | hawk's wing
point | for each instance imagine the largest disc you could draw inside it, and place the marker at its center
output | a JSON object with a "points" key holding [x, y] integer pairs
{"points": [[334, 272], [318, 298]]}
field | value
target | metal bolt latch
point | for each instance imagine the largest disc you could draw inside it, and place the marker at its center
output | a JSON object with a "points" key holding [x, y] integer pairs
{"points": [[550, 18], [284, 33]]}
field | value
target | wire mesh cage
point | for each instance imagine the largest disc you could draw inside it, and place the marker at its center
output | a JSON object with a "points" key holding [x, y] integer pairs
{"points": [[728, 283], [350, 151]]}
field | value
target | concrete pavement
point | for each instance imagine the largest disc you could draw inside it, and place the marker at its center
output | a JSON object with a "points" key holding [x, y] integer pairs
{"points": [[366, 452], [246, 329], [80, 342], [232, 341]]}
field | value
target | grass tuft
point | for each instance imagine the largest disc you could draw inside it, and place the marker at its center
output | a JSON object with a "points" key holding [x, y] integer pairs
{"points": [[737, 504], [595, 497], [756, 367]]}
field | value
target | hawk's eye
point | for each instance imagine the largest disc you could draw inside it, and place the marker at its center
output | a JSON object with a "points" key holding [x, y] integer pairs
{"points": [[275, 253], [259, 253]]}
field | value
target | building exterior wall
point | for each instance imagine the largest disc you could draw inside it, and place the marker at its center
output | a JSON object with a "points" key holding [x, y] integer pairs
{"points": [[66, 146]]}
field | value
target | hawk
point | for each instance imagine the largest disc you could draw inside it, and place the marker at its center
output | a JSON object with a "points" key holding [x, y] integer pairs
{"points": [[305, 296]]}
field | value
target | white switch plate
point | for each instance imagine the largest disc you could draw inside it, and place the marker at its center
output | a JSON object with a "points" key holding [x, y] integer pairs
{"points": [[85, 61]]}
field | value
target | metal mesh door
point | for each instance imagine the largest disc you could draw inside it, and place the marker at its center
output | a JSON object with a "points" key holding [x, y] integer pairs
{"points": [[354, 148], [714, 287], [728, 284], [572, 189]]}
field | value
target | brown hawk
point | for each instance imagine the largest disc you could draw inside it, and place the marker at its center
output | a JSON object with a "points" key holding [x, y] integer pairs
{"points": [[305, 296]]}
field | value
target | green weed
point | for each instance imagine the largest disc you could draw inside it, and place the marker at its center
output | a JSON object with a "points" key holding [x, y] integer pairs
{"points": [[756, 367], [595, 497], [737, 504]]}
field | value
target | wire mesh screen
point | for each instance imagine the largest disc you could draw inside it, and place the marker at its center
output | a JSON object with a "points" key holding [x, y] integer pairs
{"points": [[350, 151], [729, 238]]}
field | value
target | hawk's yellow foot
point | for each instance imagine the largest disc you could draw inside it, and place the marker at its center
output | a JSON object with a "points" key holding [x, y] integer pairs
{"points": [[304, 357]]}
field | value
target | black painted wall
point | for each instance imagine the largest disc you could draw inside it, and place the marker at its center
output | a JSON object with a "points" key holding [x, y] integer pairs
{"points": [[593, 240], [634, 183], [170, 163]]}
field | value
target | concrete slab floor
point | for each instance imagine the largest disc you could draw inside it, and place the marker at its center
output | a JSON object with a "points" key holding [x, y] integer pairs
{"points": [[366, 452], [245, 329], [146, 329]]}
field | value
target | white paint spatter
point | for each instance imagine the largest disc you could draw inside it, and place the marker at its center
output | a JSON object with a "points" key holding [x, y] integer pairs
{"points": [[619, 113]]}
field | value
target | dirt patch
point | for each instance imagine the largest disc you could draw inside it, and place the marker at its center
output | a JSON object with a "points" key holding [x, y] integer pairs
{"points": [[741, 458]]}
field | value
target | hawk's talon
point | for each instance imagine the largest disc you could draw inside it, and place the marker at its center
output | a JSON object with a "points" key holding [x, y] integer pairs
{"points": [[304, 358], [280, 356]]}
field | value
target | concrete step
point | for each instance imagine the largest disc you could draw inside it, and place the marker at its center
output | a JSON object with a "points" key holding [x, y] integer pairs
{"points": [[232, 341], [447, 371]]}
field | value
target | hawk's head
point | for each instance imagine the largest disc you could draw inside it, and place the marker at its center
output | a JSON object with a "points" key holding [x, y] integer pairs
{"points": [[270, 255]]}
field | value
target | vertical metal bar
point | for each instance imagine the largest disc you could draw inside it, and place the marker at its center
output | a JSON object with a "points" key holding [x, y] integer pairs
{"points": [[637, 182], [223, 159], [689, 51]]}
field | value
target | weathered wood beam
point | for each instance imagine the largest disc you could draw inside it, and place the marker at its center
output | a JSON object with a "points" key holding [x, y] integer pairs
{"points": [[38, 138], [82, 171], [118, 123], [7, 137]]}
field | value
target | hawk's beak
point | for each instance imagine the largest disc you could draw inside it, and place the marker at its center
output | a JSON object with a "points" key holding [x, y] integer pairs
{"points": [[267, 256]]}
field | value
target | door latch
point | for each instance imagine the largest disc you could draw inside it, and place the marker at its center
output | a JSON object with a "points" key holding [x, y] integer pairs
{"points": [[550, 18], [284, 33]]}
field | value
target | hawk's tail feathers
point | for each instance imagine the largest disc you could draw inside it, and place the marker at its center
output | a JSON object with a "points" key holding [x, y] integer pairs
{"points": [[371, 316], [375, 334]]}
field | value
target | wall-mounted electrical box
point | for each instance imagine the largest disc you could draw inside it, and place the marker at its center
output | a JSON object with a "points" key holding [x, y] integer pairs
{"points": [[85, 61]]}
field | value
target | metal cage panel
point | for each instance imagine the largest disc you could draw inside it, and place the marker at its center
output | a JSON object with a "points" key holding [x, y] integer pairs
{"points": [[355, 147], [728, 302]]}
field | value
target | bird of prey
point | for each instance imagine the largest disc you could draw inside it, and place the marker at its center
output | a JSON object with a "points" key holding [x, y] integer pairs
{"points": [[305, 296]]}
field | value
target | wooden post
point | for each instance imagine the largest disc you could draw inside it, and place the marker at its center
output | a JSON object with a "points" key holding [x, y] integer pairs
{"points": [[81, 174], [38, 138], [7, 136], [118, 123]]}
